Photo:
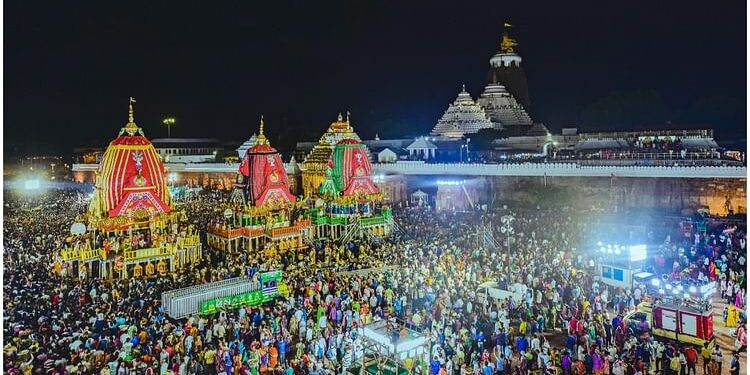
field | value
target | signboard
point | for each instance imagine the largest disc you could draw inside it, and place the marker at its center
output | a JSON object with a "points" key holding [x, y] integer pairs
{"points": [[253, 298], [271, 287], [270, 276]]}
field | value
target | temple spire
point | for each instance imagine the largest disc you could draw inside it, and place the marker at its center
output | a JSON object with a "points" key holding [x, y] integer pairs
{"points": [[261, 138], [130, 110], [507, 43], [131, 128]]}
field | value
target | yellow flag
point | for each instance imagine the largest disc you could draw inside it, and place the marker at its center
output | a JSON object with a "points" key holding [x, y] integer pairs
{"points": [[507, 24]]}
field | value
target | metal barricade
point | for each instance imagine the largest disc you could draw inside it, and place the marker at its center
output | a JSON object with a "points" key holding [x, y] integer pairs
{"points": [[184, 302]]}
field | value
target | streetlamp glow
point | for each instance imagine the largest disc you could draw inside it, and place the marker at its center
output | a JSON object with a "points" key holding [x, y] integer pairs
{"points": [[169, 121]]}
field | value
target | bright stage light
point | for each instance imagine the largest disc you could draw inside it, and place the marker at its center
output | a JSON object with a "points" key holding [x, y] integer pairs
{"points": [[451, 182], [31, 185], [655, 282], [637, 252], [693, 289]]}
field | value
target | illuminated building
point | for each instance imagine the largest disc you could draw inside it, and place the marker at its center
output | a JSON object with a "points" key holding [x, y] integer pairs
{"points": [[261, 215], [463, 116], [313, 168], [133, 230]]}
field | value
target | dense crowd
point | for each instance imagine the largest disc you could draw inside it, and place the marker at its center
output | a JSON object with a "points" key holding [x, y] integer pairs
{"points": [[425, 278]]}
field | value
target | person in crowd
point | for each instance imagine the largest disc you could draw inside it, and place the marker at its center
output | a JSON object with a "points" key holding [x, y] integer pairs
{"points": [[423, 279]]}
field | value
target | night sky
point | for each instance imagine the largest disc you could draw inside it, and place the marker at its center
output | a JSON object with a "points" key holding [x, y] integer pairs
{"points": [[71, 66]]}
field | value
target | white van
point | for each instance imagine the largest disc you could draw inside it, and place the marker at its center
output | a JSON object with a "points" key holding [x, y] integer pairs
{"points": [[491, 289]]}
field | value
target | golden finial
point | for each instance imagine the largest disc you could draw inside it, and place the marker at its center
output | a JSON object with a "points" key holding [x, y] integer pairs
{"points": [[130, 110], [131, 128], [507, 43], [261, 138]]}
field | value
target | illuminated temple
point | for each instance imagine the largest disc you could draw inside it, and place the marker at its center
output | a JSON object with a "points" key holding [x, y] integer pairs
{"points": [[132, 230], [506, 97], [315, 164], [263, 215], [348, 203], [463, 116], [341, 200]]}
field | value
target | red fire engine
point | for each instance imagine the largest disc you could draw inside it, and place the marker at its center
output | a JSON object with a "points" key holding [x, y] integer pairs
{"points": [[676, 319]]}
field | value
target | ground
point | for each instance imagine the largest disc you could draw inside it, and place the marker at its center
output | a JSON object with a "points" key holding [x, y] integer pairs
{"points": [[723, 339]]}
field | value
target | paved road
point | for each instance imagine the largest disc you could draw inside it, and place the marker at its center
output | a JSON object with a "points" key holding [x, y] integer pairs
{"points": [[723, 339]]}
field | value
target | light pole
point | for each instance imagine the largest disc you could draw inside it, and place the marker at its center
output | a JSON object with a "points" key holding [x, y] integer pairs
{"points": [[507, 229], [169, 121]]}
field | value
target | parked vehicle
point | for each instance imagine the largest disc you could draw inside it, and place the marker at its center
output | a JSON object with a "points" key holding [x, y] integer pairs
{"points": [[675, 319]]}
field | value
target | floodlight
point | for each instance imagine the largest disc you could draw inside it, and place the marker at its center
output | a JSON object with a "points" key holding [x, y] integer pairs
{"points": [[655, 282], [693, 289], [31, 184], [638, 252]]}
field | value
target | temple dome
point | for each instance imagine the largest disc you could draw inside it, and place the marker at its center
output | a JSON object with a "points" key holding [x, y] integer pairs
{"points": [[262, 174], [350, 168], [463, 116], [502, 108], [130, 180]]}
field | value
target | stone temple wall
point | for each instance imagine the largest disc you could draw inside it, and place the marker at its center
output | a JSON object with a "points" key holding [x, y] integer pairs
{"points": [[672, 194]]}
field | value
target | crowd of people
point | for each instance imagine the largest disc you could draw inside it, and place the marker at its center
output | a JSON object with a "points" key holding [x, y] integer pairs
{"points": [[664, 144], [423, 280]]}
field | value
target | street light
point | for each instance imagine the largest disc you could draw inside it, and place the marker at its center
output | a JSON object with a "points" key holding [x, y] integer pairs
{"points": [[169, 121], [466, 146], [507, 229]]}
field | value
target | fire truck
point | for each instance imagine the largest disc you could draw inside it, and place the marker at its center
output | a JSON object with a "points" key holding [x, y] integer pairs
{"points": [[672, 318]]}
